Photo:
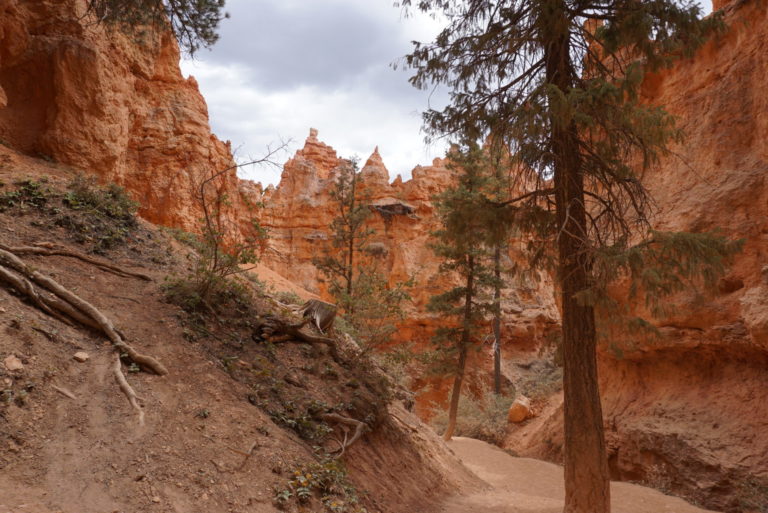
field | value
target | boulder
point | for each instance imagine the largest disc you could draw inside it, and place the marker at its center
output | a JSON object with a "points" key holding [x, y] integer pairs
{"points": [[520, 410]]}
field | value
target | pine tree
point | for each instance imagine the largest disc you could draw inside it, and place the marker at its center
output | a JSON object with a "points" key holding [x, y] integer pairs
{"points": [[558, 81], [349, 234], [194, 23], [371, 306], [461, 243]]}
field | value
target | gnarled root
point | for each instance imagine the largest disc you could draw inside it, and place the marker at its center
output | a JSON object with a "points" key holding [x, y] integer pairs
{"points": [[63, 304], [49, 249], [346, 423], [127, 389], [79, 309], [276, 330]]}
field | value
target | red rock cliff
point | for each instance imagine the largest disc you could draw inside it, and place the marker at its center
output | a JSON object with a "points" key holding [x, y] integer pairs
{"points": [[108, 105], [298, 214]]}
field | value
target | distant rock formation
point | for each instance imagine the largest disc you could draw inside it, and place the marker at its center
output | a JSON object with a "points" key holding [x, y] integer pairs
{"points": [[298, 214], [686, 410]]}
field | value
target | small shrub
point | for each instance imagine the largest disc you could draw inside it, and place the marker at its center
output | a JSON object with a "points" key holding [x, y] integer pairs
{"points": [[111, 201], [28, 194], [223, 295], [545, 379], [484, 418], [325, 482], [289, 298]]}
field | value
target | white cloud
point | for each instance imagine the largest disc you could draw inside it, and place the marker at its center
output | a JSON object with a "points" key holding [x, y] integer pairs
{"points": [[373, 104]]}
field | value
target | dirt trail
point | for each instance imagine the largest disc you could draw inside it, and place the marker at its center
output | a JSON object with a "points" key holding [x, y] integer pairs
{"points": [[523, 485]]}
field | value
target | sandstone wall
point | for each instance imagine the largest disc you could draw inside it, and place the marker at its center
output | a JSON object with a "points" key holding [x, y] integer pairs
{"points": [[298, 214], [109, 105]]}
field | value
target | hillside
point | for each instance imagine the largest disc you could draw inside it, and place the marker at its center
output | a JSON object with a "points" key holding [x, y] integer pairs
{"points": [[228, 427]]}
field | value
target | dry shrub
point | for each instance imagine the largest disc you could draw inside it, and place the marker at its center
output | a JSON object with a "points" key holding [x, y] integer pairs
{"points": [[484, 418]]}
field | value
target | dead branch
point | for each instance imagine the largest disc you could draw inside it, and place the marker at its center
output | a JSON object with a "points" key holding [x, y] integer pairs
{"points": [[127, 389], [49, 249], [322, 314], [345, 421], [246, 454]]}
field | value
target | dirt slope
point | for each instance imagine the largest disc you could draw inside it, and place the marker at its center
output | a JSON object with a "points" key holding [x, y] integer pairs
{"points": [[90, 455], [523, 485]]}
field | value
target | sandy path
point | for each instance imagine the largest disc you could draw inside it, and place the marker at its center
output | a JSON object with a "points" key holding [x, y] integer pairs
{"points": [[523, 485]]}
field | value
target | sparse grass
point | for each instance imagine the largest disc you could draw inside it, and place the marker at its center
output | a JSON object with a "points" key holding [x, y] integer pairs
{"points": [[101, 218], [484, 418], [228, 294], [543, 379], [753, 495]]}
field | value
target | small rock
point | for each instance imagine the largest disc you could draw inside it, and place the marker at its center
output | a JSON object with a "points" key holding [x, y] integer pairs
{"points": [[12, 363], [81, 356], [520, 410], [156, 499]]}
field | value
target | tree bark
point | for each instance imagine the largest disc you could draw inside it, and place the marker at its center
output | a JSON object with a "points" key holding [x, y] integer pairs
{"points": [[497, 320], [463, 347], [587, 481], [455, 394]]}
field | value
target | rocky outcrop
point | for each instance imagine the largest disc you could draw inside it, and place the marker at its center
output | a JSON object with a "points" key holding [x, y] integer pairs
{"points": [[298, 214], [102, 102]]}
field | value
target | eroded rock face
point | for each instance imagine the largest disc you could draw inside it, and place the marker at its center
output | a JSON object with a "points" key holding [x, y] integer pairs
{"points": [[108, 105]]}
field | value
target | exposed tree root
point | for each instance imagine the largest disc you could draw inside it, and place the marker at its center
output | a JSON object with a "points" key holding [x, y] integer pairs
{"points": [[65, 305], [345, 423], [276, 330], [77, 308], [49, 249], [127, 389], [64, 392]]}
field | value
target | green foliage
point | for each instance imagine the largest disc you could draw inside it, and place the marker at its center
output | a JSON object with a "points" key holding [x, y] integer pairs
{"points": [[484, 418], [665, 263], [325, 482], [288, 298], [462, 244], [565, 103], [222, 253], [102, 217], [193, 22], [111, 201], [374, 308], [370, 305], [28, 194], [349, 235]]}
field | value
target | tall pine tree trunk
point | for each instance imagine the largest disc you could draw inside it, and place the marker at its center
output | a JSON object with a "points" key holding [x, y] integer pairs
{"points": [[497, 320], [461, 365], [453, 409], [587, 481]]}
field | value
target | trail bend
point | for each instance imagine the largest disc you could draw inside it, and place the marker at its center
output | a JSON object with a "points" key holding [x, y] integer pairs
{"points": [[524, 485]]}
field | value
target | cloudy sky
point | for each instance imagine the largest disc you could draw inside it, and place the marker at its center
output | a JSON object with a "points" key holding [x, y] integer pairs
{"points": [[283, 66]]}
